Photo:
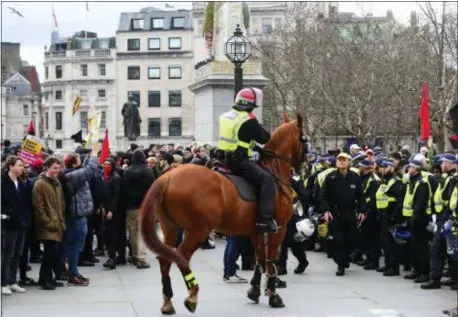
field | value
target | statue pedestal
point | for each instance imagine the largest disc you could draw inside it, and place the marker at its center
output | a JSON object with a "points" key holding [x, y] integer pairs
{"points": [[214, 95]]}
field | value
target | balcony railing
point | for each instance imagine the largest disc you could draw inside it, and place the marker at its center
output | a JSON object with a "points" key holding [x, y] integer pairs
{"points": [[79, 54]]}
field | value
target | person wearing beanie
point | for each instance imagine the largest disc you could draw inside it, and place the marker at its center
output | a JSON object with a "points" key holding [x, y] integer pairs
{"points": [[416, 210], [138, 178], [389, 200], [370, 226]]}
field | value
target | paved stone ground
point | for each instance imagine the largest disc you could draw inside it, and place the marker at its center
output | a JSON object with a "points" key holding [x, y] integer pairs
{"points": [[128, 292]]}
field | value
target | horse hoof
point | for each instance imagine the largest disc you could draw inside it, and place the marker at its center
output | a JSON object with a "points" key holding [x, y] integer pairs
{"points": [[169, 311], [275, 301], [254, 293], [190, 305], [281, 284]]}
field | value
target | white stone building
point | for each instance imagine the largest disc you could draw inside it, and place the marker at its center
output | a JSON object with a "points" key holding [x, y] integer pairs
{"points": [[79, 66], [19, 106], [155, 64]]}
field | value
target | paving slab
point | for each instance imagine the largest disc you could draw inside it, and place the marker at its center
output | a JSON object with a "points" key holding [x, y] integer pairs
{"points": [[129, 292]]}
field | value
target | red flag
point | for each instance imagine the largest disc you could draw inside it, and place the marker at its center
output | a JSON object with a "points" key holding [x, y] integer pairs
{"points": [[105, 149], [424, 114], [31, 128]]}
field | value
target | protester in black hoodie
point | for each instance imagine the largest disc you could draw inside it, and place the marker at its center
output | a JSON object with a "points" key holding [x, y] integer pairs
{"points": [[112, 184], [137, 181]]}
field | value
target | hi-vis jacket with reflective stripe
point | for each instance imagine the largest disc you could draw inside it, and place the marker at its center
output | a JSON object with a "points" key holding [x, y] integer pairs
{"points": [[439, 203], [367, 185], [382, 199], [229, 126], [454, 201], [408, 204]]}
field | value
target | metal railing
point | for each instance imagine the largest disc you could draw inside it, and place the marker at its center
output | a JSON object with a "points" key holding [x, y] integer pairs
{"points": [[78, 54]]}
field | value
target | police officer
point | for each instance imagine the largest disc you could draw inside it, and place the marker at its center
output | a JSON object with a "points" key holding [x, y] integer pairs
{"points": [[341, 198], [417, 210], [239, 130], [441, 203], [297, 248], [370, 229], [389, 199]]}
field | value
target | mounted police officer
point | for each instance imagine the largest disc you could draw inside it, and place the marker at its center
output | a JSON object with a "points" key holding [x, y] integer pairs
{"points": [[239, 130]]}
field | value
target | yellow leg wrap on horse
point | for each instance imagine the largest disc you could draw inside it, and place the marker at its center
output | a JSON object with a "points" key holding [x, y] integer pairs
{"points": [[190, 281]]}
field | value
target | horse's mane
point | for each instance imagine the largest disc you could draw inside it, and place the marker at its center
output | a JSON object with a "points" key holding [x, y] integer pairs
{"points": [[281, 134]]}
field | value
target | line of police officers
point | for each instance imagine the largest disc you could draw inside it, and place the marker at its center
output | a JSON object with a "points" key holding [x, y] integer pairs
{"points": [[379, 207]]}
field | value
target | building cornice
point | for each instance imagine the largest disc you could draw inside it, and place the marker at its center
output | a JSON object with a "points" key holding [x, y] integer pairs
{"points": [[157, 30], [158, 54], [221, 81], [77, 60], [78, 81]]}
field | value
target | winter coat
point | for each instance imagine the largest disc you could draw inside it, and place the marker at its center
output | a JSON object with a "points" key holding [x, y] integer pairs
{"points": [[48, 200]]}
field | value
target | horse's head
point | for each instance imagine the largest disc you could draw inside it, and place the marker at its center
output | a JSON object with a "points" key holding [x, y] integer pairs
{"points": [[290, 141]]}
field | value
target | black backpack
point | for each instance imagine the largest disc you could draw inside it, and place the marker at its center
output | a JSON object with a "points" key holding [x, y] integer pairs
{"points": [[98, 190], [68, 195]]}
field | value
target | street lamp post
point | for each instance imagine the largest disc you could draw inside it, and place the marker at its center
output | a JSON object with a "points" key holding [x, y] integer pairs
{"points": [[238, 49]]}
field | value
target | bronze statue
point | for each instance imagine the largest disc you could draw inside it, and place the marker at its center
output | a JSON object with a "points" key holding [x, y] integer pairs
{"points": [[131, 119]]}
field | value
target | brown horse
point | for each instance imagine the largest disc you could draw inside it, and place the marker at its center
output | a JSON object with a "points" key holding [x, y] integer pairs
{"points": [[214, 203]]}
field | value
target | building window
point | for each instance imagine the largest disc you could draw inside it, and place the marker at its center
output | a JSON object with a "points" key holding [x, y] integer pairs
{"points": [[58, 71], [200, 27], [266, 25], [101, 93], [103, 120], [174, 43], [154, 98], [58, 94], [46, 95], [25, 130], [154, 127], [133, 72], [104, 44], [26, 110], [83, 70], [133, 44], [83, 93], [177, 23], [135, 96], [136, 24], [46, 120], [58, 120], [157, 23], [175, 72], [175, 127], [46, 72], [58, 144], [83, 120], [154, 72], [154, 44], [102, 70], [175, 98], [86, 44]]}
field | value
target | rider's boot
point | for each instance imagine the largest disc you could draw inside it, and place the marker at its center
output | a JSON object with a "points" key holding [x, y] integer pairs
{"points": [[264, 226]]}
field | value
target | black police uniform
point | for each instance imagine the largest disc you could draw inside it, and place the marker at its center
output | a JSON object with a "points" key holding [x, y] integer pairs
{"points": [[297, 248], [390, 216], [342, 195], [419, 246], [240, 164]]}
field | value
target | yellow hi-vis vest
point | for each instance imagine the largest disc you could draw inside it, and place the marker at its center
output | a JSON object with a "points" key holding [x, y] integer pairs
{"points": [[322, 176], [354, 170], [382, 199], [405, 178], [229, 126], [316, 167], [454, 201], [425, 176], [438, 202], [407, 206], [372, 178]]}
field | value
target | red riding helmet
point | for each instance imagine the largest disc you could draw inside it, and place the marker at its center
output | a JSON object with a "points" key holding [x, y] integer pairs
{"points": [[249, 97]]}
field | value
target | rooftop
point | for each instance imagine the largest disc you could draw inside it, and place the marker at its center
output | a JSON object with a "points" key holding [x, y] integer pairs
{"points": [[145, 16]]}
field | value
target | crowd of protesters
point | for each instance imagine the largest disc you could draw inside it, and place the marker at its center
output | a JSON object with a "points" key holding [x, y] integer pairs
{"points": [[54, 206]]}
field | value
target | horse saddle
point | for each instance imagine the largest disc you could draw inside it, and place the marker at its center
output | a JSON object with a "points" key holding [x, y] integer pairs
{"points": [[246, 191]]}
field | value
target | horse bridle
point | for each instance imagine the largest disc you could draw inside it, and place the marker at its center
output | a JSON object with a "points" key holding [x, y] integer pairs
{"points": [[304, 148]]}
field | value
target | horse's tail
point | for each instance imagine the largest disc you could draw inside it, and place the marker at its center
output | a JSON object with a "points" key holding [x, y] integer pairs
{"points": [[153, 202]]}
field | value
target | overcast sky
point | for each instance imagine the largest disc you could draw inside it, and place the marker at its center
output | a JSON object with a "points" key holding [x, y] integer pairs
{"points": [[34, 30]]}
